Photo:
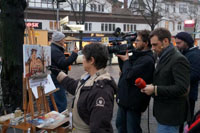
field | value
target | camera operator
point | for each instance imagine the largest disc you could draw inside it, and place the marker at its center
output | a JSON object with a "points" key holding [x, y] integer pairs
{"points": [[130, 100]]}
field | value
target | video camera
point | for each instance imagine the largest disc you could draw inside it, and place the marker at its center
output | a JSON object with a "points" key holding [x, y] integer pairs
{"points": [[118, 45]]}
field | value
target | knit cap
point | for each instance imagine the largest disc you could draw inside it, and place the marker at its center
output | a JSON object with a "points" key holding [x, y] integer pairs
{"points": [[57, 36], [186, 37]]}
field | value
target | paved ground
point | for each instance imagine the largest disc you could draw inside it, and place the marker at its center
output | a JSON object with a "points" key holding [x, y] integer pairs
{"points": [[77, 71]]}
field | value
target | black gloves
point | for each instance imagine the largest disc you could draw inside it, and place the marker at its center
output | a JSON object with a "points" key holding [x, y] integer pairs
{"points": [[54, 70]]}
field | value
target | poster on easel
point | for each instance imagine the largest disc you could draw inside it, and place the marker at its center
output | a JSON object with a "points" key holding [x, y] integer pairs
{"points": [[36, 59]]}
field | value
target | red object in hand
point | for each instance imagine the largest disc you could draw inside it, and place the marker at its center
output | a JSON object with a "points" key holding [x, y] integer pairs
{"points": [[140, 83]]}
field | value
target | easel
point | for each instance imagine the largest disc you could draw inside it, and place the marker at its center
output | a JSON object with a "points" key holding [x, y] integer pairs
{"points": [[41, 101], [28, 106]]}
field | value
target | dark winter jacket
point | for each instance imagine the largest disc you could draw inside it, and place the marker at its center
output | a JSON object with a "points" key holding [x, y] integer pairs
{"points": [[171, 77], [58, 59], [99, 86], [193, 56], [140, 64]]}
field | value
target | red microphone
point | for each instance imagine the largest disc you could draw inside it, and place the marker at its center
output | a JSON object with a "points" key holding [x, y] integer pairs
{"points": [[140, 83]]}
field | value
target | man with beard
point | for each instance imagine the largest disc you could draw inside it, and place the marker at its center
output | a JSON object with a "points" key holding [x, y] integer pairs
{"points": [[130, 100], [185, 45]]}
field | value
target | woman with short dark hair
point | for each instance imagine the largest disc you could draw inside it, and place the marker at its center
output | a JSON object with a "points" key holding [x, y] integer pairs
{"points": [[94, 92]]}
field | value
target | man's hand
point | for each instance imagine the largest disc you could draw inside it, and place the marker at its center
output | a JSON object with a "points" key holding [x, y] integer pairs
{"points": [[149, 89], [124, 57], [75, 50]]}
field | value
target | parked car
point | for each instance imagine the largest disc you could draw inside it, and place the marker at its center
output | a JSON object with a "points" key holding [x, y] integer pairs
{"points": [[80, 57]]}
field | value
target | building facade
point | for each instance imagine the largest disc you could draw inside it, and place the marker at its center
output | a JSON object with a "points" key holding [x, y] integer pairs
{"points": [[101, 18]]}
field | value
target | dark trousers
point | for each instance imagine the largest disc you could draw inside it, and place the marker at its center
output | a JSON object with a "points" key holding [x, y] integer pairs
{"points": [[192, 106], [60, 99], [128, 121]]}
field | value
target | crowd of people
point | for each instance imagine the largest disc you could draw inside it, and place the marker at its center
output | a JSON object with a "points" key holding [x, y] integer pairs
{"points": [[172, 75]]}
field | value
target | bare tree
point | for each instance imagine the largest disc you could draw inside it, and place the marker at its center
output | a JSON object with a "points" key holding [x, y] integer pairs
{"points": [[12, 35], [79, 9], [193, 13], [190, 10], [150, 10]]}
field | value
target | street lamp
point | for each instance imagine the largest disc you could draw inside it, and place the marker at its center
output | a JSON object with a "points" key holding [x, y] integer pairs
{"points": [[57, 18]]}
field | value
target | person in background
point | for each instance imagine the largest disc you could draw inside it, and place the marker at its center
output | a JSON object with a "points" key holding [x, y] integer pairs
{"points": [[59, 61], [130, 100], [185, 44], [110, 58], [170, 83], [93, 104]]}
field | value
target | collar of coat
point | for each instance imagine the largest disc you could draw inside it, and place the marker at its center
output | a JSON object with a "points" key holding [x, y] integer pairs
{"points": [[184, 52], [58, 45], [99, 75]]}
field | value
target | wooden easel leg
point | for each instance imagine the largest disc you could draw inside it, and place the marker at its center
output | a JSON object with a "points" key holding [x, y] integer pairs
{"points": [[4, 129], [53, 102], [31, 103]]}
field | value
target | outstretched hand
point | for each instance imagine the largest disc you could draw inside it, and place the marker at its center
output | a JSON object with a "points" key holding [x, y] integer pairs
{"points": [[55, 71]]}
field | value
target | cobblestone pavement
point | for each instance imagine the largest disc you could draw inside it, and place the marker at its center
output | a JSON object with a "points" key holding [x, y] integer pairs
{"points": [[77, 71]]}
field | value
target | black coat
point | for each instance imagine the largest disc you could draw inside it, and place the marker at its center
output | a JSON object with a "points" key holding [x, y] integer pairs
{"points": [[172, 78], [98, 86], [193, 56], [140, 64], [58, 59]]}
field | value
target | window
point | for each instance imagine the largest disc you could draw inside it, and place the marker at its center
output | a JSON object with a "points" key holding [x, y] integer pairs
{"points": [[106, 27], [174, 8], [182, 8], [128, 27], [46, 1], [113, 27], [102, 8], [90, 26], [93, 7], [166, 8], [179, 26], [99, 8], [55, 25], [124, 27], [166, 24], [135, 28], [102, 27], [86, 26], [110, 27], [193, 9], [51, 25], [131, 27], [173, 26], [75, 6]]}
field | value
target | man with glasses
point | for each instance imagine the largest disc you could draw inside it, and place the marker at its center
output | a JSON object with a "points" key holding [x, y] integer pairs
{"points": [[130, 100]]}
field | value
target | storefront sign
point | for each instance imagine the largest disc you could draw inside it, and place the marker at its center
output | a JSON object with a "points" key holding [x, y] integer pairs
{"points": [[35, 25], [189, 23]]}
